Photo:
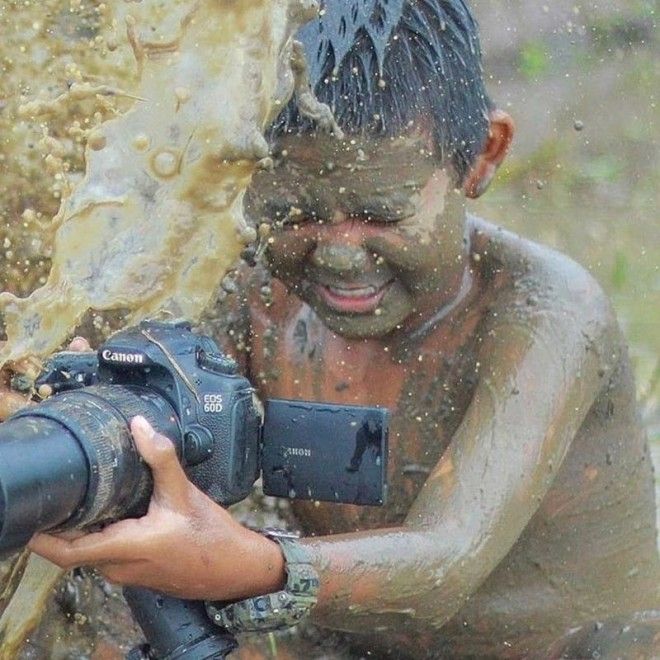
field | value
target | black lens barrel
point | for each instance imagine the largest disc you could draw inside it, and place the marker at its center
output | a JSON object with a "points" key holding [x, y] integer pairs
{"points": [[43, 478], [178, 629], [71, 461]]}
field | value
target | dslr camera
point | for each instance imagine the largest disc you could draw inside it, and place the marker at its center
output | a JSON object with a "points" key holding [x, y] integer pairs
{"points": [[70, 462]]}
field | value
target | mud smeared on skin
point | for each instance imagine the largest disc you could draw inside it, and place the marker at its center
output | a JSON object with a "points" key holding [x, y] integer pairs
{"points": [[521, 487], [348, 175], [157, 218], [521, 491], [400, 208]]}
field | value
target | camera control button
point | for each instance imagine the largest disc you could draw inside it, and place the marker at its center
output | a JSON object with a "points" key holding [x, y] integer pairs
{"points": [[216, 362], [197, 445]]}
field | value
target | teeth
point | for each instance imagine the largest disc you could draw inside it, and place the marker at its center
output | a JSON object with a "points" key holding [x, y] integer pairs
{"points": [[362, 292]]}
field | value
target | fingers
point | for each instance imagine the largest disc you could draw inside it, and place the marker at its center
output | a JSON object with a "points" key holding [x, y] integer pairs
{"points": [[132, 573], [115, 552], [171, 485], [114, 544], [79, 344], [131, 540], [138, 574], [11, 402]]}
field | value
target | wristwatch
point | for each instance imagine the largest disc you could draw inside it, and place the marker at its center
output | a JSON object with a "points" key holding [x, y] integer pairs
{"points": [[278, 610]]}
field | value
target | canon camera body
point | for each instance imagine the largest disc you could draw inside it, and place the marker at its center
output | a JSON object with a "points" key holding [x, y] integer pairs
{"points": [[70, 460]]}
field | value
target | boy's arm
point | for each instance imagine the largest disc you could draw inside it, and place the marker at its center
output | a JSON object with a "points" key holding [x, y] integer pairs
{"points": [[543, 362], [542, 366]]}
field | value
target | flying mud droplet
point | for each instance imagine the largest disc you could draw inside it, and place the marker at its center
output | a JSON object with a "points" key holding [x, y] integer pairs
{"points": [[165, 163], [97, 141], [264, 230], [141, 142], [45, 391], [183, 95], [229, 284], [248, 235]]}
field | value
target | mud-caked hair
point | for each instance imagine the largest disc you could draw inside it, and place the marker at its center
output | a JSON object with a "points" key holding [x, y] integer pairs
{"points": [[385, 66]]}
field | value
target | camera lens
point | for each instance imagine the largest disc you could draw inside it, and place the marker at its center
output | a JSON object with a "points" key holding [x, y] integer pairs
{"points": [[71, 461], [43, 478]]}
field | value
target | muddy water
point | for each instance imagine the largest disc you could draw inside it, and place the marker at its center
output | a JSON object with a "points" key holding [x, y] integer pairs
{"points": [[156, 220], [47, 46], [142, 122]]}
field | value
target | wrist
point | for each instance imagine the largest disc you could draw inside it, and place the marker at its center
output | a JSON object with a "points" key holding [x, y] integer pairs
{"points": [[272, 565], [279, 609], [262, 565]]}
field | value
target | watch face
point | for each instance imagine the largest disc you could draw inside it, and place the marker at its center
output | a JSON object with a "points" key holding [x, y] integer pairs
{"points": [[270, 612], [327, 452], [277, 534]]}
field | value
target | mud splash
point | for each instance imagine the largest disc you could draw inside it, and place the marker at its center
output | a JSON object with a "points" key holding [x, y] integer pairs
{"points": [[166, 118], [157, 218], [43, 46]]}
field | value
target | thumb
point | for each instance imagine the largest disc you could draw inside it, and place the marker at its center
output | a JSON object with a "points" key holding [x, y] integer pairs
{"points": [[170, 481], [79, 345]]}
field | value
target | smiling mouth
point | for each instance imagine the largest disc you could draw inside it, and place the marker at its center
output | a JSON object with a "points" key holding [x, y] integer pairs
{"points": [[352, 299]]}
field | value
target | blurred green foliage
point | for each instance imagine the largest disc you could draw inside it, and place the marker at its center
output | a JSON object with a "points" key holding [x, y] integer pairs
{"points": [[533, 60], [620, 270]]}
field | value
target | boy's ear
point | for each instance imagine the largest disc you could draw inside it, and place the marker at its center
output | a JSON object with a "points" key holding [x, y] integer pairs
{"points": [[500, 136]]}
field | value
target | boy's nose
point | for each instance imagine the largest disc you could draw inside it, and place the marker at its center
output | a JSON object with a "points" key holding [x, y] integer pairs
{"points": [[339, 258], [340, 246]]}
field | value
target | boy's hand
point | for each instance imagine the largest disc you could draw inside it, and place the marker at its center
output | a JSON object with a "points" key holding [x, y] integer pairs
{"points": [[186, 545], [12, 401]]}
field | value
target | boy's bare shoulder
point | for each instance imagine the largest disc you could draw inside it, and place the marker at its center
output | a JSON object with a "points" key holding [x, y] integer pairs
{"points": [[539, 276]]}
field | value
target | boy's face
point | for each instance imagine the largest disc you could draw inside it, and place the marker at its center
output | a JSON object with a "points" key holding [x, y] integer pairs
{"points": [[371, 234]]}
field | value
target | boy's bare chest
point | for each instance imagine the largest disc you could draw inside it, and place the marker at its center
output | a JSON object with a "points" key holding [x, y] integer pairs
{"points": [[426, 388]]}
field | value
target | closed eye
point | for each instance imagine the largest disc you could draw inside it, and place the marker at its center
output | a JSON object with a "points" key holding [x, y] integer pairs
{"points": [[298, 217], [287, 215], [384, 217]]}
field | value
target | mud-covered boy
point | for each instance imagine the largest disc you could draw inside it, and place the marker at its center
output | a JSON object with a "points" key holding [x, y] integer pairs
{"points": [[521, 517]]}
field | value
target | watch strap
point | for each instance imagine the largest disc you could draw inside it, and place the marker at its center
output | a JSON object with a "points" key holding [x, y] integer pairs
{"points": [[278, 610]]}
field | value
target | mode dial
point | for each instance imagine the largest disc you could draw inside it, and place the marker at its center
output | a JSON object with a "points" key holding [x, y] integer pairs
{"points": [[216, 362]]}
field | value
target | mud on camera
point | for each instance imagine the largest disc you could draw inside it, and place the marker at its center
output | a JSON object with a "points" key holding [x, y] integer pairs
{"points": [[70, 462]]}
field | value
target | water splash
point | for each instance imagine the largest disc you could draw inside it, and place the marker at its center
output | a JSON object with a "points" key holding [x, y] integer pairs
{"points": [[157, 218]]}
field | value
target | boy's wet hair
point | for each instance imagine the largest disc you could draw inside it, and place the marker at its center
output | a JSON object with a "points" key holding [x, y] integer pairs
{"points": [[385, 66]]}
